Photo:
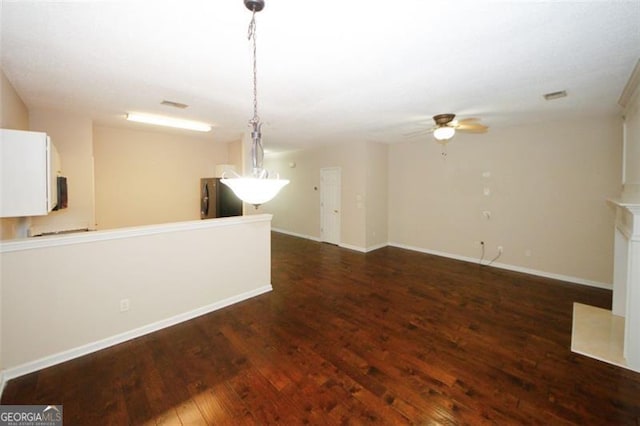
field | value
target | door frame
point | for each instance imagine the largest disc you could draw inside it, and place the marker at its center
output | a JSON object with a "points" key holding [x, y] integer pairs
{"points": [[323, 233]]}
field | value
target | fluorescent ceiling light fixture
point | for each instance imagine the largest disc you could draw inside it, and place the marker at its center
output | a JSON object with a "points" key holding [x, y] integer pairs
{"points": [[159, 120]]}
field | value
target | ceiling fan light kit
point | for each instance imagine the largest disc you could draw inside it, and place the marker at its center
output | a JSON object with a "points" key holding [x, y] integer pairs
{"points": [[444, 133], [445, 127]]}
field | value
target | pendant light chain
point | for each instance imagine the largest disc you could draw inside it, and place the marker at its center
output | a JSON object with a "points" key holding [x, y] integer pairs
{"points": [[258, 186], [257, 151], [252, 36]]}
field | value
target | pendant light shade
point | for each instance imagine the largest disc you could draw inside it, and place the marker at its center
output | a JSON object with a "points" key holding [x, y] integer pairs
{"points": [[255, 191]]}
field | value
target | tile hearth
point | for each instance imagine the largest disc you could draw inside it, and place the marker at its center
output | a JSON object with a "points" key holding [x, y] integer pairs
{"points": [[599, 334]]}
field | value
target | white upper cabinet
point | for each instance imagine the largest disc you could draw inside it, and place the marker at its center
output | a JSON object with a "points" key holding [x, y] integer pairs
{"points": [[29, 166]]}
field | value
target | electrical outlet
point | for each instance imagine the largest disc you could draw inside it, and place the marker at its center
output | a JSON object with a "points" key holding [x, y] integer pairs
{"points": [[124, 305], [500, 249]]}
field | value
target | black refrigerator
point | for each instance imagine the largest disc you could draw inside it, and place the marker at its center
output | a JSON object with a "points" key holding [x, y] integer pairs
{"points": [[218, 200]]}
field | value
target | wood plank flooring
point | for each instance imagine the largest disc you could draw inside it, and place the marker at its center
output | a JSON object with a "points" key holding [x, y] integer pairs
{"points": [[389, 337]]}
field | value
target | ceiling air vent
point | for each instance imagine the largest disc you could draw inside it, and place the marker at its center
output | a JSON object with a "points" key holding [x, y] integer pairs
{"points": [[555, 95], [174, 104]]}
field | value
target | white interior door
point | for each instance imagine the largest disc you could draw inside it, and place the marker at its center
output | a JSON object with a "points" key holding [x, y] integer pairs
{"points": [[330, 183]]}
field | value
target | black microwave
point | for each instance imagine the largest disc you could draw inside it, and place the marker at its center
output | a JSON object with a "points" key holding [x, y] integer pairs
{"points": [[62, 193]]}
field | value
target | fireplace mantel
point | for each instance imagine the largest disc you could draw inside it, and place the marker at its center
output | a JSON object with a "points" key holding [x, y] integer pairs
{"points": [[625, 309]]}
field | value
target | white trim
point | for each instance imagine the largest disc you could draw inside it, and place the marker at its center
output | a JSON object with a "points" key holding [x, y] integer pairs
{"points": [[625, 137], [363, 249], [434, 252], [338, 208], [567, 278], [343, 245], [48, 361], [3, 382], [352, 247], [295, 234], [137, 231], [631, 88], [544, 274], [376, 247]]}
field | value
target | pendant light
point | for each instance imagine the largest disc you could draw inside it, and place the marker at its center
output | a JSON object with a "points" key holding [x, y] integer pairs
{"points": [[260, 185]]}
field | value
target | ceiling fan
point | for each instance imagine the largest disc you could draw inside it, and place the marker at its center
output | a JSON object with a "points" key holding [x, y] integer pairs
{"points": [[446, 126]]}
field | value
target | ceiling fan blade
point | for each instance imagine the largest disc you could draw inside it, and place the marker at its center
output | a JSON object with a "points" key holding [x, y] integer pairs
{"points": [[470, 126], [473, 129], [417, 133], [465, 120]]}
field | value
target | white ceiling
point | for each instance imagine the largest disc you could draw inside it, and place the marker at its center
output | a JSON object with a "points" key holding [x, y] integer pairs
{"points": [[328, 71]]}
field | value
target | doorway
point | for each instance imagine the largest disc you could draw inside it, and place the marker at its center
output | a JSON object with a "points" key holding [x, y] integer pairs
{"points": [[330, 191]]}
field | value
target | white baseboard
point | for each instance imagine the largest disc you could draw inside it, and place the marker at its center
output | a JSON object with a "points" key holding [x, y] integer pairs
{"points": [[363, 249], [3, 381], [295, 234], [343, 245], [568, 278], [48, 361], [352, 247], [376, 247]]}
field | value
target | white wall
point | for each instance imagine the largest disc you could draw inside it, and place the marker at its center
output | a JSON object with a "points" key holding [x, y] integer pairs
{"points": [[632, 139], [548, 185], [72, 134], [376, 197], [364, 192], [13, 112], [235, 155], [13, 115], [61, 295], [296, 209], [146, 177]]}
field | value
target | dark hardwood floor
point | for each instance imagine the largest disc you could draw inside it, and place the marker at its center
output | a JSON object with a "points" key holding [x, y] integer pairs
{"points": [[390, 337]]}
